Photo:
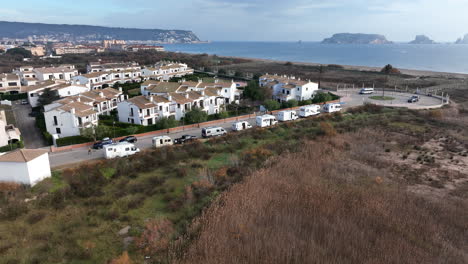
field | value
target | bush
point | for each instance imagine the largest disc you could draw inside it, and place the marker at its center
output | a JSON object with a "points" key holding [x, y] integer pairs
{"points": [[67, 141], [195, 116], [272, 105], [14, 97]]}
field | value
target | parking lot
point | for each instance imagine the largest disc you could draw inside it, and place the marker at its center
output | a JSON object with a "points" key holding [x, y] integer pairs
{"points": [[351, 97]]}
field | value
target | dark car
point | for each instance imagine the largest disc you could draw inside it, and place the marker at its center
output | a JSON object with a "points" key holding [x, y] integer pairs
{"points": [[130, 139], [102, 143], [413, 99], [184, 139]]}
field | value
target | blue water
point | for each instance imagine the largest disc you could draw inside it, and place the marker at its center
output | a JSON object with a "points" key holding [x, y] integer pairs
{"points": [[438, 57]]}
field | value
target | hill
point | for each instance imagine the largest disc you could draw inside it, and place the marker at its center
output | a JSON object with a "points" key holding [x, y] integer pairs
{"points": [[422, 39], [85, 32], [356, 38]]}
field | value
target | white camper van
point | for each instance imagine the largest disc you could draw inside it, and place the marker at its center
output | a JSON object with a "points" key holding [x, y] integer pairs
{"points": [[367, 91], [120, 150], [242, 125], [309, 110], [162, 141], [330, 108], [213, 132], [287, 115], [266, 120]]}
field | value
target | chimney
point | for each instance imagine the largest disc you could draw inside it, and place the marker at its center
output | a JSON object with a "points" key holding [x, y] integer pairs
{"points": [[78, 99], [200, 80], [101, 94], [72, 111], [151, 99], [187, 95], [203, 92], [120, 89], [169, 98], [216, 81]]}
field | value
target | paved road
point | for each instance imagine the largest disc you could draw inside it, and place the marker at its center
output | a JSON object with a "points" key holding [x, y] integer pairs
{"points": [[27, 125], [350, 99]]}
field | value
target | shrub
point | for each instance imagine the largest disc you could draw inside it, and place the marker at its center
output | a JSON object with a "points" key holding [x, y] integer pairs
{"points": [[272, 105], [327, 129], [66, 141], [194, 116]]}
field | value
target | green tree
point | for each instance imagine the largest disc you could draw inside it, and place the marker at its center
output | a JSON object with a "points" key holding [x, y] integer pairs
{"points": [[272, 105], [196, 115], [19, 51], [165, 122], [222, 71], [96, 132], [321, 97], [223, 114], [48, 97]]}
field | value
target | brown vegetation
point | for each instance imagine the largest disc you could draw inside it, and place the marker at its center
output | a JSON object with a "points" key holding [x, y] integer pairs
{"points": [[333, 202]]}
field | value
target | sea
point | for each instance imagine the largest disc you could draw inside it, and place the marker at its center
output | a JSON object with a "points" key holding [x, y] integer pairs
{"points": [[434, 57]]}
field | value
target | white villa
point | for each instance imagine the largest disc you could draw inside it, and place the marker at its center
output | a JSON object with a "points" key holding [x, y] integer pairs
{"points": [[8, 133], [10, 83], [286, 88], [67, 116], [103, 79], [55, 73], [63, 89], [112, 67], [25, 166], [174, 99], [166, 70]]}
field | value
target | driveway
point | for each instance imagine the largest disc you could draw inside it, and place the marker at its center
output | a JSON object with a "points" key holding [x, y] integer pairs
{"points": [[32, 136]]}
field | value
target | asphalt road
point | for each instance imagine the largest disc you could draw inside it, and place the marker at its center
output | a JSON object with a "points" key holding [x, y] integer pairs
{"points": [[32, 136], [349, 99]]}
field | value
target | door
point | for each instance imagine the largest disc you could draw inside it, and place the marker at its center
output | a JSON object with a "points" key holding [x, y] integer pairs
{"points": [[243, 125]]}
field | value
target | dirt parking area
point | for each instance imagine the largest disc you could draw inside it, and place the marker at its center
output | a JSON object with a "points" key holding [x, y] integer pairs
{"points": [[352, 97]]}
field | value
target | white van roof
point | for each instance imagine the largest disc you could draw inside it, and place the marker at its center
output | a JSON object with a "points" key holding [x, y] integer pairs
{"points": [[158, 137]]}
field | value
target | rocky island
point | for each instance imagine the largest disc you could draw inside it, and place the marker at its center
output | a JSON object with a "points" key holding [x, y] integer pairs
{"points": [[422, 39], [463, 40], [356, 38]]}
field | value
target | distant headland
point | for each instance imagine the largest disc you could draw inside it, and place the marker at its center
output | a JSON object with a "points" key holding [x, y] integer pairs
{"points": [[356, 38]]}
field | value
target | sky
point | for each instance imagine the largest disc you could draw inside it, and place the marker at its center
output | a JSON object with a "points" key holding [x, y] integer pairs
{"points": [[257, 20]]}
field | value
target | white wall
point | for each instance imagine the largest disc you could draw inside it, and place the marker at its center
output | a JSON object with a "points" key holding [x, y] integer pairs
{"points": [[65, 121], [26, 173]]}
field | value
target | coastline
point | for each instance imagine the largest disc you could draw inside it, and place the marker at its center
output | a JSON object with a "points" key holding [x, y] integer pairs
{"points": [[416, 73]]}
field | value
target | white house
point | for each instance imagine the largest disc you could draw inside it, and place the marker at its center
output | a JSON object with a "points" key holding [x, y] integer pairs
{"points": [[25, 166], [27, 75], [103, 79], [63, 89], [10, 83], [8, 133], [166, 70], [56, 73], [286, 88], [112, 66], [144, 110], [67, 116]]}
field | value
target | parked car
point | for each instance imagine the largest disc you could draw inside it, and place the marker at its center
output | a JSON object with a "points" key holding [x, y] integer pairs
{"points": [[184, 139], [130, 139], [366, 91], [213, 132], [413, 99], [102, 143], [24, 102]]}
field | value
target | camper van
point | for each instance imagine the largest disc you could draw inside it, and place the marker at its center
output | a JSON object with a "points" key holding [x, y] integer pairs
{"points": [[213, 132], [242, 125], [162, 141], [287, 115], [120, 150], [266, 121], [330, 108], [309, 110], [366, 91]]}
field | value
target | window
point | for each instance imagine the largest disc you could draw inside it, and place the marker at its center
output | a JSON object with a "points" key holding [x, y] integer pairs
{"points": [[225, 90], [58, 130], [160, 108], [55, 121], [178, 105], [298, 89], [32, 95], [127, 149]]}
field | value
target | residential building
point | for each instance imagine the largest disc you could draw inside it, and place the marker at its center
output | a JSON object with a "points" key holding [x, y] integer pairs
{"points": [[136, 48], [144, 110], [103, 79], [67, 116], [112, 66], [36, 50], [166, 70], [26, 75], [63, 89], [79, 49], [10, 83], [8, 133], [25, 166], [57, 73], [285, 88]]}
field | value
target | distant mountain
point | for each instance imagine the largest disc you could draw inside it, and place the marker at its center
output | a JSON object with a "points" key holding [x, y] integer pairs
{"points": [[359, 38], [463, 40], [422, 39], [83, 32]]}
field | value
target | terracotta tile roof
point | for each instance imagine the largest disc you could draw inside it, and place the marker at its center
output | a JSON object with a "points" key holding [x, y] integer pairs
{"points": [[81, 109], [180, 98], [9, 77], [150, 82], [39, 86], [94, 74], [22, 155], [141, 102], [164, 87], [211, 91], [54, 70]]}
